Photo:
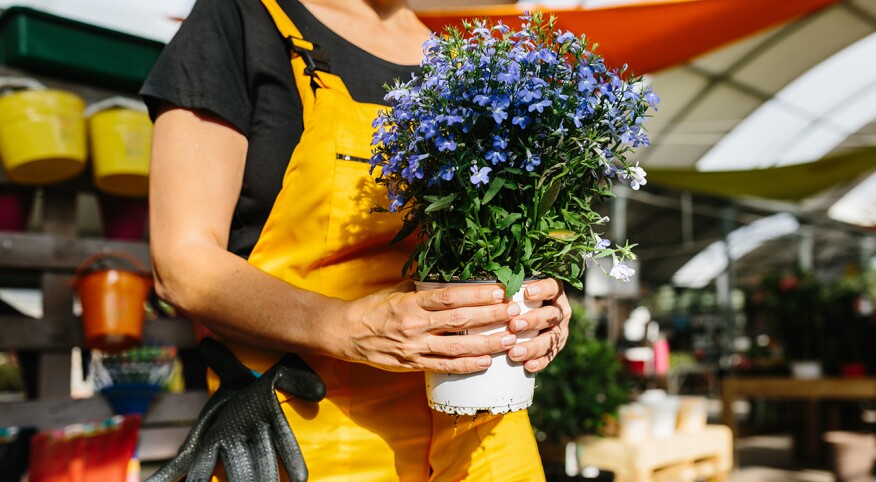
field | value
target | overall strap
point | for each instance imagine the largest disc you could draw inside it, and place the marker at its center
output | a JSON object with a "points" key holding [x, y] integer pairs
{"points": [[309, 64]]}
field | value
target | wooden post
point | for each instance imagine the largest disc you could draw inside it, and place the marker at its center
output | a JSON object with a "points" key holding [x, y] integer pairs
{"points": [[59, 220]]}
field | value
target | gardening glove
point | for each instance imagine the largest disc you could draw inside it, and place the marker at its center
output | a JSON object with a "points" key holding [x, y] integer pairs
{"points": [[243, 422]]}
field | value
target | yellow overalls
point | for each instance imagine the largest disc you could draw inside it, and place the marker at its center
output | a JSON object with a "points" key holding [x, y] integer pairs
{"points": [[373, 425]]}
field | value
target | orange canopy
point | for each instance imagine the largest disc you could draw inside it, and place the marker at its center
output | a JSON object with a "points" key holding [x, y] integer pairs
{"points": [[652, 35]]}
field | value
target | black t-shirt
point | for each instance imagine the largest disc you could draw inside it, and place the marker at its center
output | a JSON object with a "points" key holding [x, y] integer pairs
{"points": [[229, 59]]}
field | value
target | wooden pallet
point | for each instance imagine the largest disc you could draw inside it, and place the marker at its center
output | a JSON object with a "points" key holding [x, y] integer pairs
{"points": [[707, 455]]}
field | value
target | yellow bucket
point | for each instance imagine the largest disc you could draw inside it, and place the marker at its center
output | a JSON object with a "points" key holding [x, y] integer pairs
{"points": [[120, 142], [42, 136]]}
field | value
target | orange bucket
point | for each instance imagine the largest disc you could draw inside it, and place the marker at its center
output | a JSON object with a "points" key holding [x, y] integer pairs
{"points": [[112, 300]]}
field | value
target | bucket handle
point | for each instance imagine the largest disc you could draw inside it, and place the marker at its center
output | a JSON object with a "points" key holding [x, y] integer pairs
{"points": [[140, 268]]}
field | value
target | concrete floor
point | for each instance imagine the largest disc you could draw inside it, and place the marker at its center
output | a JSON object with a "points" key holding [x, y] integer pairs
{"points": [[767, 458]]}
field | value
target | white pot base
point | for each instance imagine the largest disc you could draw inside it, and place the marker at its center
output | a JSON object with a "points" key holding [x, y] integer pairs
{"points": [[454, 410]]}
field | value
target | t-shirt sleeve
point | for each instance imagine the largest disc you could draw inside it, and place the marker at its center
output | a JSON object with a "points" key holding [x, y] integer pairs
{"points": [[204, 66]]}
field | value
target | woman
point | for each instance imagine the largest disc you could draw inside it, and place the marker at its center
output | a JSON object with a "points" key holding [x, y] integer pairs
{"points": [[282, 255]]}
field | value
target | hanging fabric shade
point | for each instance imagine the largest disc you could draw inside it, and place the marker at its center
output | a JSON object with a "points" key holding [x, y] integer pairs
{"points": [[651, 35], [789, 183]]}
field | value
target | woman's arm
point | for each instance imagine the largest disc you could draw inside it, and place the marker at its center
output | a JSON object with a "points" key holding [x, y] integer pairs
{"points": [[195, 180]]}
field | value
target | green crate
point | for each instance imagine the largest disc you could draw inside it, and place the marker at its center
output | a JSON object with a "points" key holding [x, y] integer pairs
{"points": [[48, 44]]}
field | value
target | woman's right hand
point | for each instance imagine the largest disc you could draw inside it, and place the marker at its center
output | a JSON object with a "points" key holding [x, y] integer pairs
{"points": [[400, 329]]}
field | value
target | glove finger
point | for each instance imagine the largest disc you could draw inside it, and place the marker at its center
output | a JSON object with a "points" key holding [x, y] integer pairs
{"points": [[238, 462], [203, 466], [171, 471], [295, 377], [287, 447], [266, 469], [231, 372]]}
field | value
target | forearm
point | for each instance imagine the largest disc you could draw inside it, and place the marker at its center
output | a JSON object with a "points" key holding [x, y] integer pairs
{"points": [[241, 302]]}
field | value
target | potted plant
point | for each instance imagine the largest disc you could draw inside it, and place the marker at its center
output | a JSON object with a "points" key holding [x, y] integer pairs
{"points": [[579, 393], [496, 154], [794, 304]]}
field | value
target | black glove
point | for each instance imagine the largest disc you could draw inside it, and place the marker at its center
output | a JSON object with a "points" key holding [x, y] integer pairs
{"points": [[243, 421]]}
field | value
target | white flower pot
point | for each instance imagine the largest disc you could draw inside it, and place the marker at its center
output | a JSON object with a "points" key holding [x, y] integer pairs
{"points": [[504, 387]]}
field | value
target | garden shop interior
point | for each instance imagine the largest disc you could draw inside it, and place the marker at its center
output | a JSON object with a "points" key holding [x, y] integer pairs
{"points": [[736, 345]]}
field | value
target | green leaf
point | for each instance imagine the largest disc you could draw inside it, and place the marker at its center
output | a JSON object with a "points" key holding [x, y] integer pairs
{"points": [[504, 275], [407, 228], [549, 197], [495, 185], [438, 204], [515, 282], [508, 220]]}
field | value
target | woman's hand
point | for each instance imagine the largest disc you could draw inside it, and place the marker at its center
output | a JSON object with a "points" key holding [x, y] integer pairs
{"points": [[551, 320], [400, 329]]}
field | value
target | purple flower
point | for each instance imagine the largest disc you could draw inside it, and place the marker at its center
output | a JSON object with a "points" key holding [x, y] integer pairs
{"points": [[480, 176], [445, 143], [539, 106], [565, 37], [652, 98]]}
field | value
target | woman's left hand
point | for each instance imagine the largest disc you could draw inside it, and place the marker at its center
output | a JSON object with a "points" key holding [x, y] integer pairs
{"points": [[551, 321]]}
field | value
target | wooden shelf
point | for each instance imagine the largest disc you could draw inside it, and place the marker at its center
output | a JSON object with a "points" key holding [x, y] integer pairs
{"points": [[165, 424], [34, 251], [167, 409], [21, 333]]}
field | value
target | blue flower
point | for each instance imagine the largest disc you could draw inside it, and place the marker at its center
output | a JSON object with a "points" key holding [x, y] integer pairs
{"points": [[601, 243], [522, 121], [495, 157], [480, 176], [528, 96], [395, 202], [531, 162], [481, 99], [499, 142], [497, 109], [445, 143], [446, 172], [539, 106]]}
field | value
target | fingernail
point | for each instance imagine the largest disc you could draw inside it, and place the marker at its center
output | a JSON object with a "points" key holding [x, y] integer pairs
{"points": [[485, 362], [509, 340], [518, 351], [533, 290], [498, 295], [513, 309], [519, 325]]}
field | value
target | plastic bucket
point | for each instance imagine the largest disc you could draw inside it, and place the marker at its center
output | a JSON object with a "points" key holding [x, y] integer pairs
{"points": [[15, 206], [123, 218], [42, 136], [130, 398], [112, 302], [121, 140], [95, 451]]}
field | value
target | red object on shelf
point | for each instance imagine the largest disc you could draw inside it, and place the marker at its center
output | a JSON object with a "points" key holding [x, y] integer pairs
{"points": [[15, 206], [96, 451], [854, 370], [123, 218]]}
